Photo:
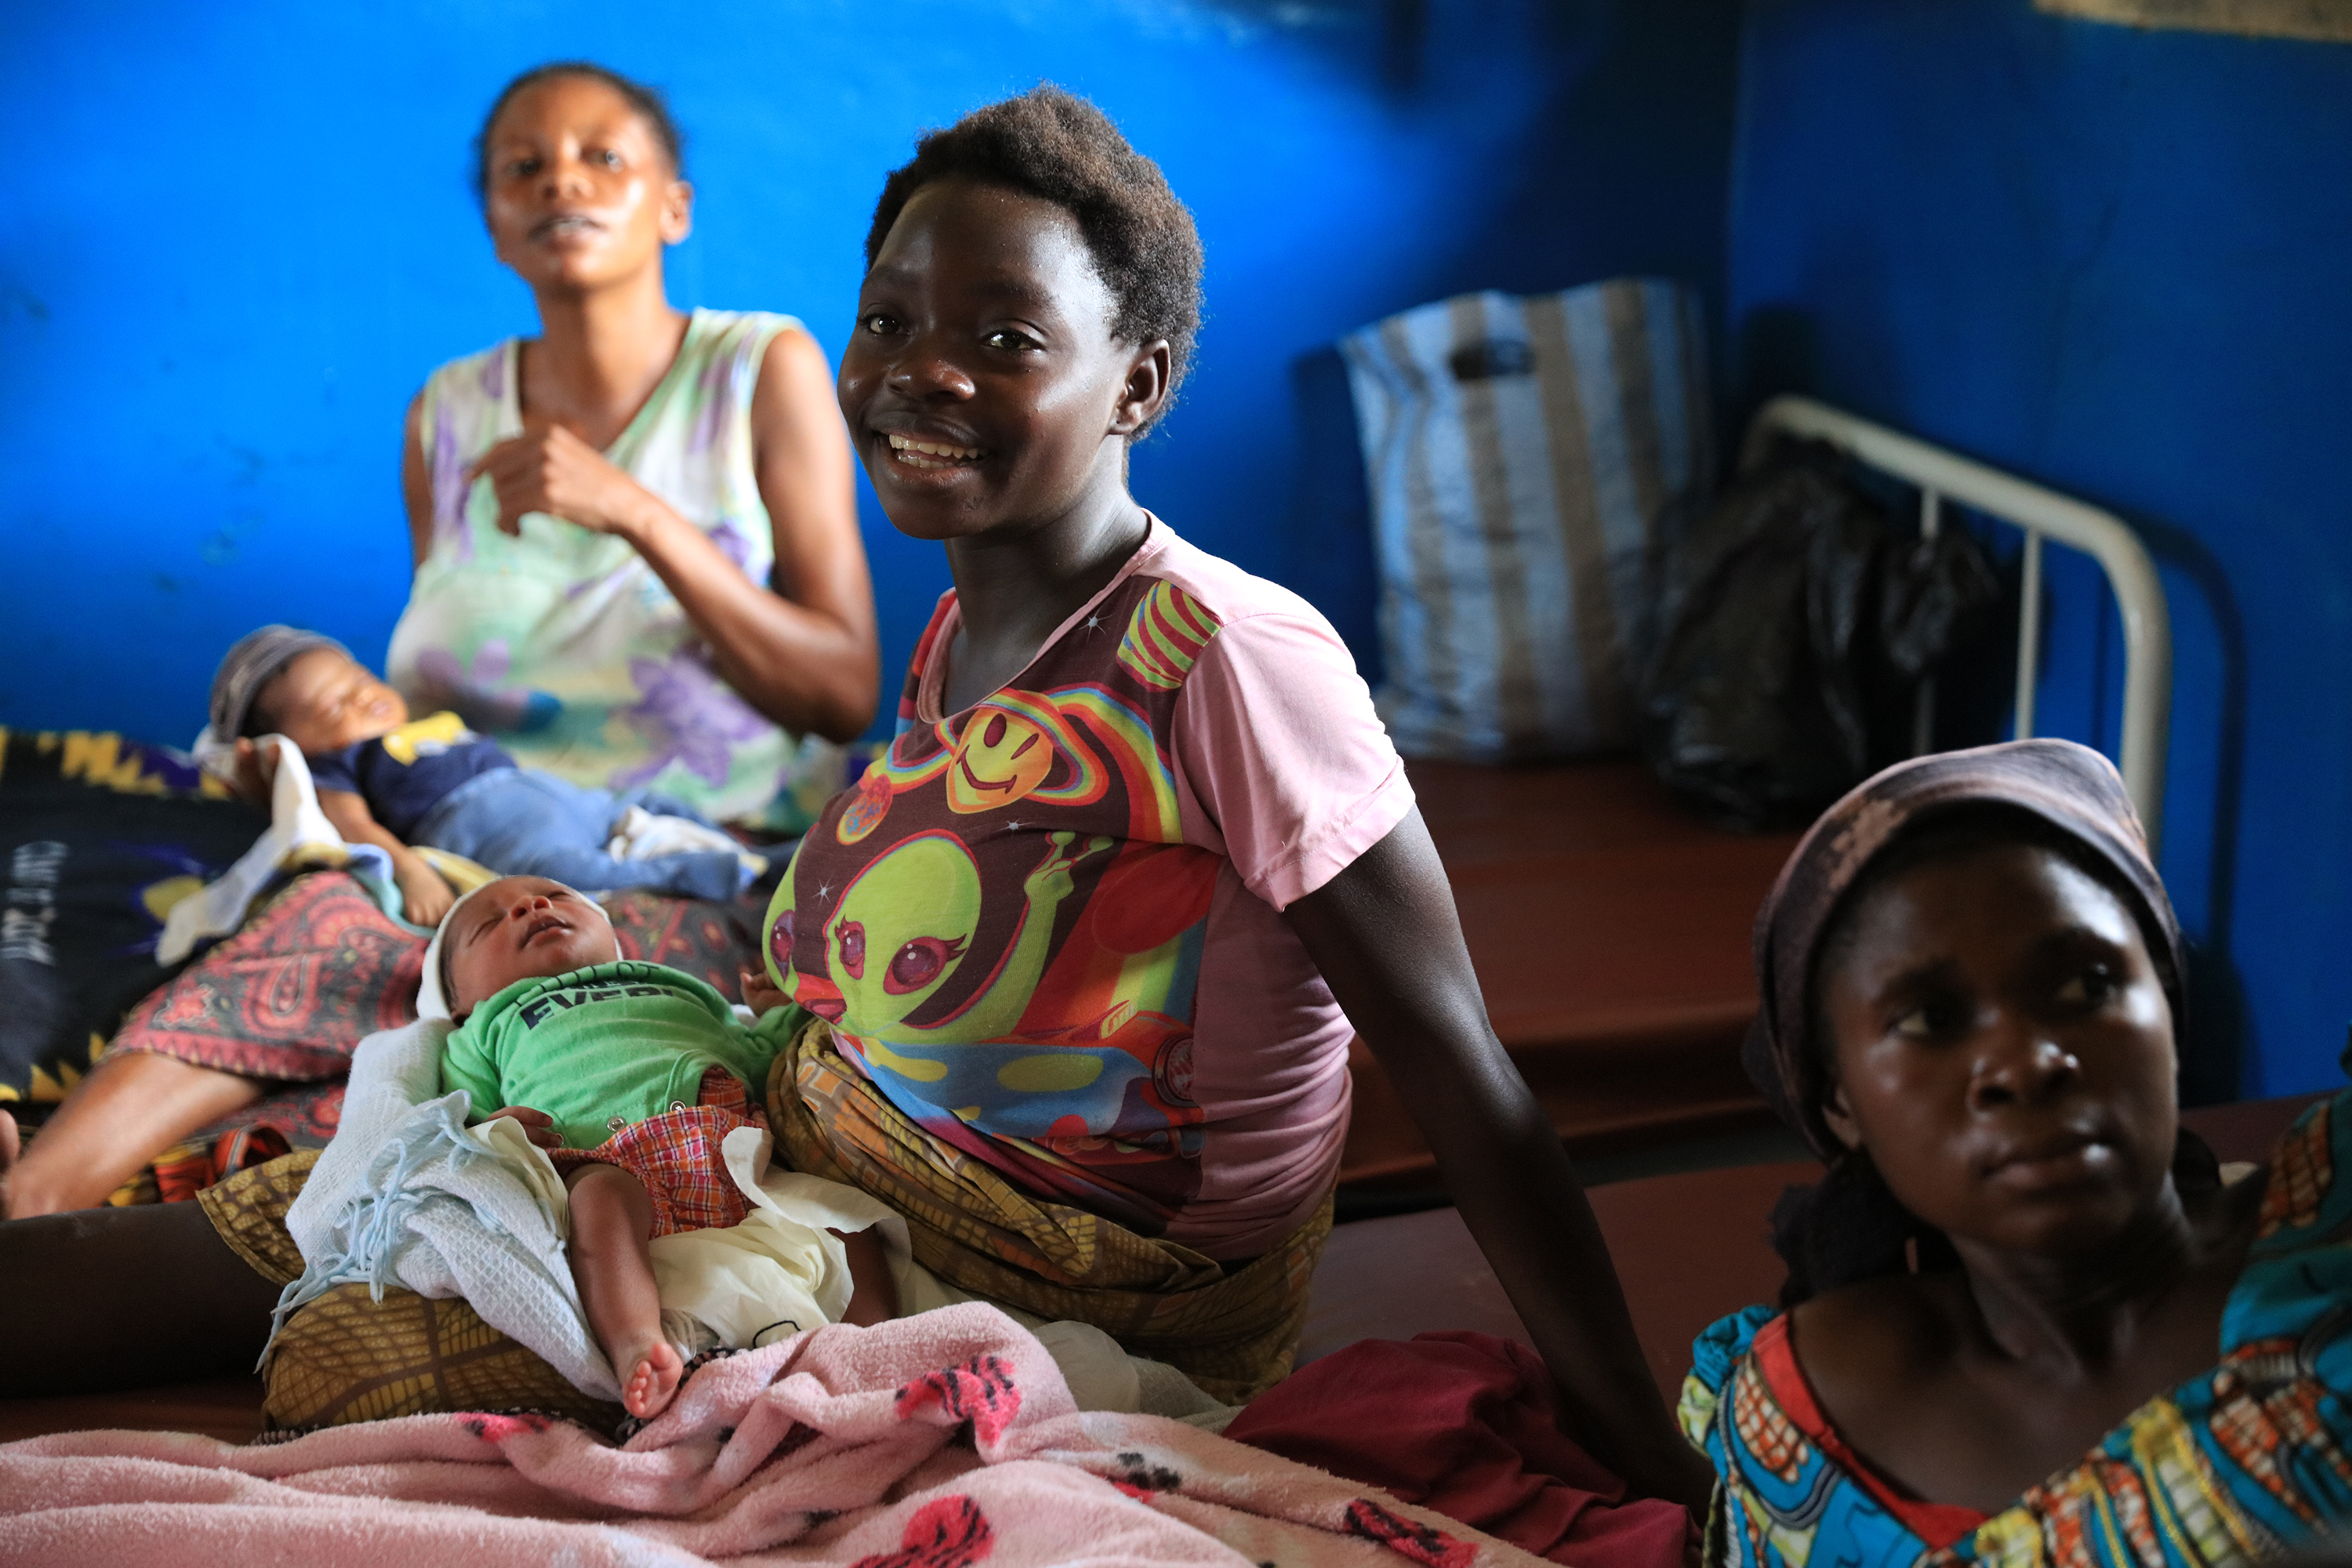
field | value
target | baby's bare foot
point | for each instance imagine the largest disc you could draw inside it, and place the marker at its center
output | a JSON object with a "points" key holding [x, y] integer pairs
{"points": [[653, 1378]]}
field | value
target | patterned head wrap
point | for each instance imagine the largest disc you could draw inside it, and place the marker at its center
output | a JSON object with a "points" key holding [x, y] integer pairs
{"points": [[251, 663], [2072, 787]]}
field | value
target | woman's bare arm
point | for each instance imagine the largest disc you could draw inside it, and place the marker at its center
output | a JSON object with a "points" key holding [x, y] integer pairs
{"points": [[804, 654], [416, 484], [1385, 935], [808, 482]]}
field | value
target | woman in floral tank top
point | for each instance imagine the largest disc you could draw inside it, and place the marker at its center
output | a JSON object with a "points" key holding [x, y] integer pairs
{"points": [[637, 560]]}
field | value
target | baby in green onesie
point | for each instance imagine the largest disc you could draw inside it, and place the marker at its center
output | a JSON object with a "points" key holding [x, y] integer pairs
{"points": [[631, 1076]]}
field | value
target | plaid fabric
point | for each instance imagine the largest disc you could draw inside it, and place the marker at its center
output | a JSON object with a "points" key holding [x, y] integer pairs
{"points": [[675, 1156]]}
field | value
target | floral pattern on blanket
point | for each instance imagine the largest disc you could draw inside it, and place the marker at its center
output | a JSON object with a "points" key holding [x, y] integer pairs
{"points": [[809, 1452]]}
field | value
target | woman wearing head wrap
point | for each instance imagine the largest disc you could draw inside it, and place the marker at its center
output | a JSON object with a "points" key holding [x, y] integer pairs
{"points": [[2024, 1320]]}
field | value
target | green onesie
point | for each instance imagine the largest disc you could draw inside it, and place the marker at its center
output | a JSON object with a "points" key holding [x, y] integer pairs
{"points": [[625, 1039]]}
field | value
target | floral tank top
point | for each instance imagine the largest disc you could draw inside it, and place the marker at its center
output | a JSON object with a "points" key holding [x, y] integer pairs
{"points": [[564, 644]]}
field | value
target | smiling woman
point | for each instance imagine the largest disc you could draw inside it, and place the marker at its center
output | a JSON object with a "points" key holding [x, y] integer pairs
{"points": [[1086, 949], [637, 562]]}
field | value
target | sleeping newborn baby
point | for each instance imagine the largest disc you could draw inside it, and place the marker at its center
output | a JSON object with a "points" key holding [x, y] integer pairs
{"points": [[630, 1076], [385, 781]]}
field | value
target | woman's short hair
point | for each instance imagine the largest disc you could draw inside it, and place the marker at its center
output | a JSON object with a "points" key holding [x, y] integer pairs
{"points": [[1056, 145], [646, 103]]}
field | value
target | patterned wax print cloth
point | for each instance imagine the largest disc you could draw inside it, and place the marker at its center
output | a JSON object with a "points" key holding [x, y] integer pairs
{"points": [[1047, 926], [1524, 456], [2244, 1462], [1232, 1328], [561, 644]]}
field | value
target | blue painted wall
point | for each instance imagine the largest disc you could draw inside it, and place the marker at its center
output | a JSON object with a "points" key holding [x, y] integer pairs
{"points": [[237, 235], [2120, 262], [234, 238]]}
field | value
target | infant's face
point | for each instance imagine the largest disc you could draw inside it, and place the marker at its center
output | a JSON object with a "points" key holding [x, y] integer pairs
{"points": [[521, 928], [324, 701]]}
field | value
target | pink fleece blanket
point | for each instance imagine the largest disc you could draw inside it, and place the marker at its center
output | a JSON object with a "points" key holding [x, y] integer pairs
{"points": [[936, 1441]]}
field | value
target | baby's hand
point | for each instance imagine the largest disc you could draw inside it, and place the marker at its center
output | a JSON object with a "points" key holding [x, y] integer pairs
{"points": [[424, 895], [536, 1125], [256, 772], [760, 993]]}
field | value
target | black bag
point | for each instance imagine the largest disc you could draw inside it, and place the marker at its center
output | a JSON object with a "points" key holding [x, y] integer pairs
{"points": [[1795, 627]]}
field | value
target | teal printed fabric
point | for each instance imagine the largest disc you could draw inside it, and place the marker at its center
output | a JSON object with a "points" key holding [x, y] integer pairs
{"points": [[2251, 1460]]}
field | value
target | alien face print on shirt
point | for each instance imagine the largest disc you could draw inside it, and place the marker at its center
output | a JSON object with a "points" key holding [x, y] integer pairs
{"points": [[1005, 925]]}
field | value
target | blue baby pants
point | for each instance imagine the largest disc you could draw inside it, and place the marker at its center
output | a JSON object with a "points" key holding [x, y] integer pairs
{"points": [[520, 821]]}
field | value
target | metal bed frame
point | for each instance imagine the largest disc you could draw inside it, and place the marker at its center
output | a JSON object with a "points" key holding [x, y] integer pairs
{"points": [[2040, 512]]}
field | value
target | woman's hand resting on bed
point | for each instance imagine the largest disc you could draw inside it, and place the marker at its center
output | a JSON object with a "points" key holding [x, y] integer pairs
{"points": [[536, 1125]]}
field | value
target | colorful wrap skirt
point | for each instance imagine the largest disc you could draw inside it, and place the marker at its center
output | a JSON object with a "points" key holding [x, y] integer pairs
{"points": [[1232, 1328]]}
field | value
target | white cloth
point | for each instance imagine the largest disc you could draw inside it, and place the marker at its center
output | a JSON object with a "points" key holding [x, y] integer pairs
{"points": [[642, 835], [299, 838], [779, 1272], [408, 1194]]}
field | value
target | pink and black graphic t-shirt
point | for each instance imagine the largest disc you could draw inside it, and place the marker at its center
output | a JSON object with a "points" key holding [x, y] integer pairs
{"points": [[1047, 926]]}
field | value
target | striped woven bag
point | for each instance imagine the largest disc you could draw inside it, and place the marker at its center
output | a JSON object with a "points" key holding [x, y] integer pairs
{"points": [[1523, 455]]}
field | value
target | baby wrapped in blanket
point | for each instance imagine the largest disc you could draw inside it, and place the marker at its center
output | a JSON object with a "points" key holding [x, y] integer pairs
{"points": [[631, 1076]]}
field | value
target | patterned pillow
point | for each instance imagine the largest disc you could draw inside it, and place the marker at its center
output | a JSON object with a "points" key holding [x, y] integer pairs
{"points": [[98, 837]]}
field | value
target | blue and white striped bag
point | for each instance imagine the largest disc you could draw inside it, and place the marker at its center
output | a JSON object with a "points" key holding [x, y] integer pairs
{"points": [[1521, 454]]}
